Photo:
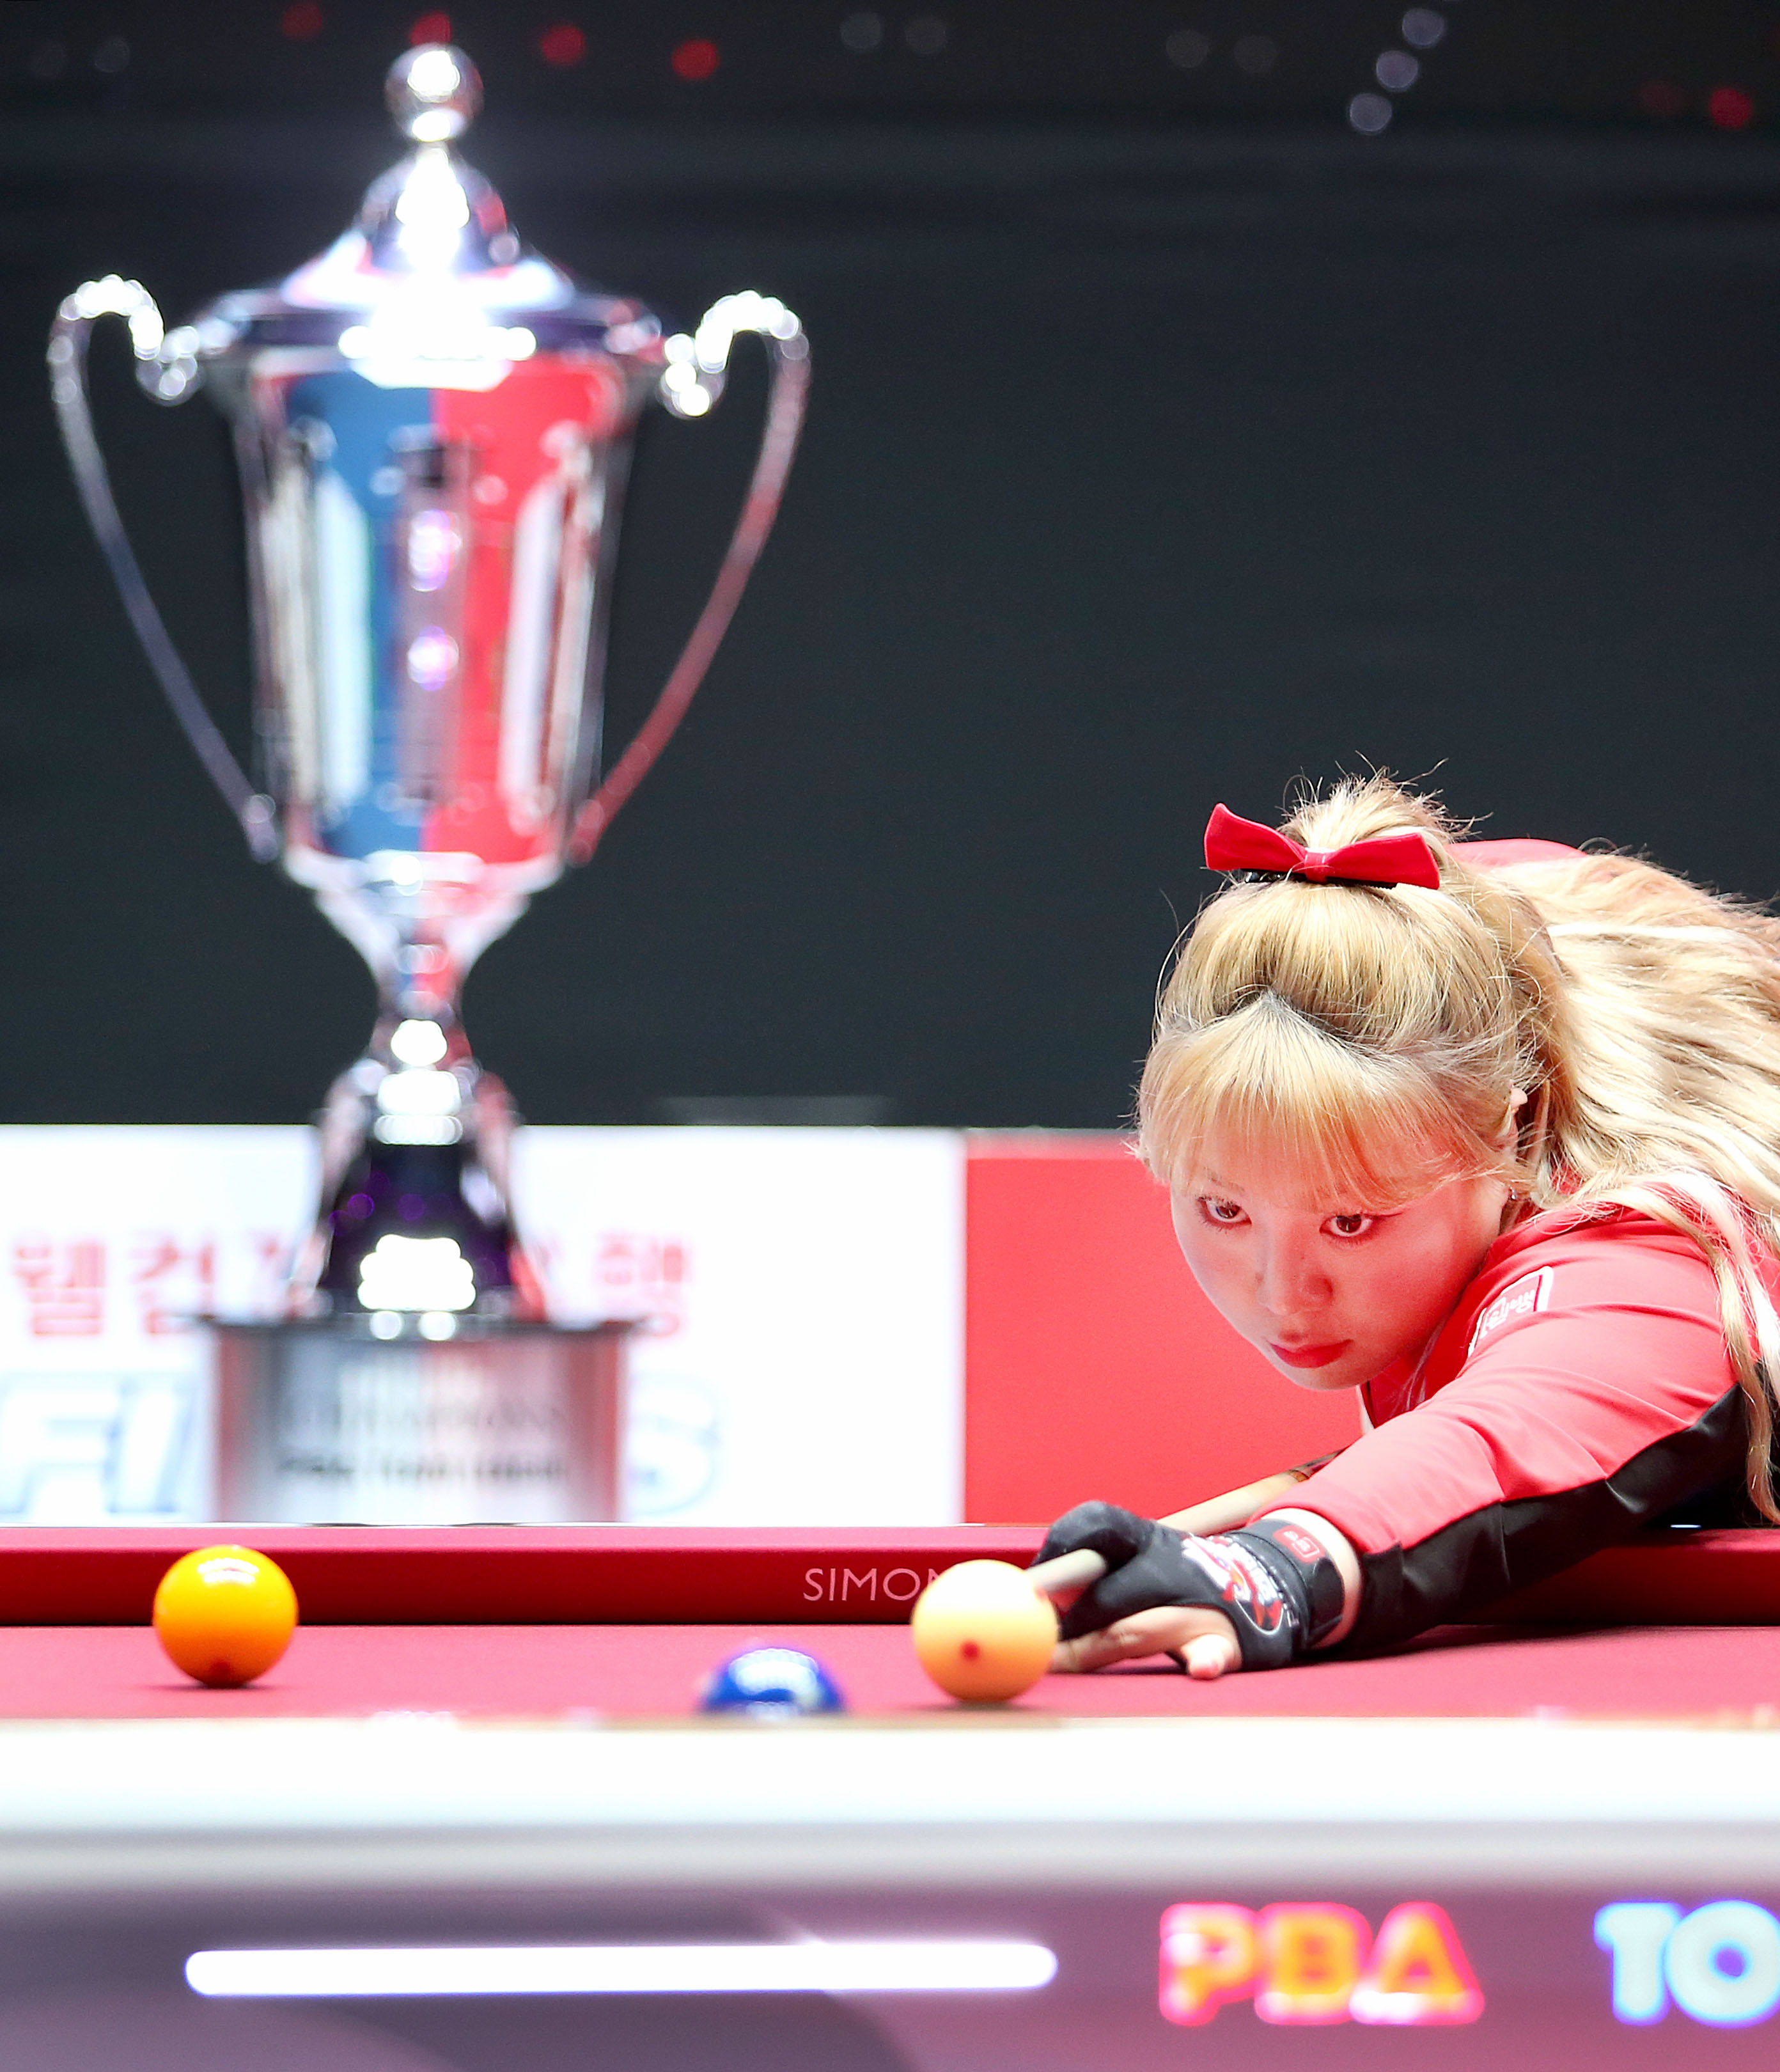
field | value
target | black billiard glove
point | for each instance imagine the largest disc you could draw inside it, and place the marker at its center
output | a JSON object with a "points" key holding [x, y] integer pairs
{"points": [[1271, 1580]]}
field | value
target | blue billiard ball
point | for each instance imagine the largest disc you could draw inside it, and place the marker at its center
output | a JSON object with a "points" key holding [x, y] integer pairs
{"points": [[772, 1684]]}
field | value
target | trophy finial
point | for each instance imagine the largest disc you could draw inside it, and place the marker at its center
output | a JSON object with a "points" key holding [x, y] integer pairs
{"points": [[433, 91]]}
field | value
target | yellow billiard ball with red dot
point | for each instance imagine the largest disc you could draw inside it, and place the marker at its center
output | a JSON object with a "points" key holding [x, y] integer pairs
{"points": [[225, 1615], [982, 1633]]}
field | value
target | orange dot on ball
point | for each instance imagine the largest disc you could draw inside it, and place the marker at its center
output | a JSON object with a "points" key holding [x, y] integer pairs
{"points": [[225, 1615], [982, 1632]]}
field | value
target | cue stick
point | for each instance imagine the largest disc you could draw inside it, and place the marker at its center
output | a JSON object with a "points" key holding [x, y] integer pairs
{"points": [[1237, 1506], [1067, 1571]]}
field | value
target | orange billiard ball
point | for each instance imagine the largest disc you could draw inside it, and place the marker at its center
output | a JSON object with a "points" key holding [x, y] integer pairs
{"points": [[225, 1615], [982, 1633]]}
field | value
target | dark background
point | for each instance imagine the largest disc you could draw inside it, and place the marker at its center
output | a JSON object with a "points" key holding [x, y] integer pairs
{"points": [[1170, 439]]}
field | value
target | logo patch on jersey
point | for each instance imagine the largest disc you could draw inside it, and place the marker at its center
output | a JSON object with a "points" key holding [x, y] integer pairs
{"points": [[1298, 1542], [1520, 1298]]}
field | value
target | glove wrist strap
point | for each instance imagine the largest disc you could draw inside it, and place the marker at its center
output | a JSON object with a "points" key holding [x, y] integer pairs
{"points": [[1308, 1579]]}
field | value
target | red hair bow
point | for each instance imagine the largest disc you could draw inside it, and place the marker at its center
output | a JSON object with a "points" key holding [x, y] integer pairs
{"points": [[1234, 843]]}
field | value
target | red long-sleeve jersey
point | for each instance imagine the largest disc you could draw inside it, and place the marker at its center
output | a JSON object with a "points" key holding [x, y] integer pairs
{"points": [[1581, 1389]]}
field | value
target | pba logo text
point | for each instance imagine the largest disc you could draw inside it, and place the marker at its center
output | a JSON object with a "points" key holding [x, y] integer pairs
{"points": [[1312, 1962]]}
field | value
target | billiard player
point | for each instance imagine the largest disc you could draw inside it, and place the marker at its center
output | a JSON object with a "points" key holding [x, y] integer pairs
{"points": [[1490, 1132]]}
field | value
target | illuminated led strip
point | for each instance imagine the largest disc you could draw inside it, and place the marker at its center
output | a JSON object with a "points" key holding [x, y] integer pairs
{"points": [[668, 1967], [1397, 69]]}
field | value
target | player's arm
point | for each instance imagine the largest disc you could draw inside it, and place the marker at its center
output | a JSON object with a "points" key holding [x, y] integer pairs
{"points": [[1571, 1433], [1566, 1430], [1570, 1425]]}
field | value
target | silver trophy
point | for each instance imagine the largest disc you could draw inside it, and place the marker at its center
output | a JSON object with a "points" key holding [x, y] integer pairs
{"points": [[433, 424]]}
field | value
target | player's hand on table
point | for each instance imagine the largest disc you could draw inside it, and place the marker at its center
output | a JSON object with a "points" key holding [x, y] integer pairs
{"points": [[1254, 1599], [1203, 1642], [1135, 1609]]}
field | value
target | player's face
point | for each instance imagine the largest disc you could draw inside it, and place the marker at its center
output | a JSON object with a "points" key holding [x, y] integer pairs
{"points": [[1332, 1293]]}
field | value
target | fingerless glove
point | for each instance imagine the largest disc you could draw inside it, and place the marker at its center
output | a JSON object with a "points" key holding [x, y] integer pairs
{"points": [[1271, 1580]]}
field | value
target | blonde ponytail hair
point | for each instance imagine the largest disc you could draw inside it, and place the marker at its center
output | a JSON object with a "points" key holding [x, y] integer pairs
{"points": [[1377, 1038]]}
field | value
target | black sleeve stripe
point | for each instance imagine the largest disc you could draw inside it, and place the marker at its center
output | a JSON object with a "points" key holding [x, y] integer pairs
{"points": [[1507, 1545]]}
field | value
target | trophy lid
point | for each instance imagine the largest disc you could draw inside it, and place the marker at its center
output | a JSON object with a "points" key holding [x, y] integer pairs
{"points": [[431, 285]]}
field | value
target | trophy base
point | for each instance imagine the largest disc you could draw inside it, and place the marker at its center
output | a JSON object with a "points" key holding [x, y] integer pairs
{"points": [[321, 1422]]}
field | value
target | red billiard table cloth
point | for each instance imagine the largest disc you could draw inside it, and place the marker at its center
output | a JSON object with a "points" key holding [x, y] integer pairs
{"points": [[624, 1621]]}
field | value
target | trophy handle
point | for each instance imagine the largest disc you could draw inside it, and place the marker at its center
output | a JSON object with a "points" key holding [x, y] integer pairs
{"points": [[167, 368], [690, 382]]}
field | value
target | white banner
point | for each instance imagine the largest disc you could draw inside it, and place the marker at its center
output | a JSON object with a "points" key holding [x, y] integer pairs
{"points": [[802, 1361]]}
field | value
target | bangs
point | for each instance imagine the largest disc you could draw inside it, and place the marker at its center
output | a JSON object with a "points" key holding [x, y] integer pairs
{"points": [[1267, 1084]]}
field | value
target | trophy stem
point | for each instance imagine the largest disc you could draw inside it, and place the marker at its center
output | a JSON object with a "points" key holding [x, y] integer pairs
{"points": [[415, 1229]]}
